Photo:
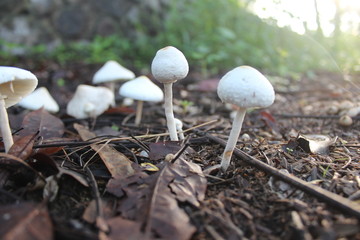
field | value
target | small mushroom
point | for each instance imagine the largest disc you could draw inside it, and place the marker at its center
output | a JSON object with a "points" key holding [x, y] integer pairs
{"points": [[179, 126], [38, 99], [141, 89], [15, 83], [246, 88], [345, 121], [110, 73], [168, 66], [89, 101]]}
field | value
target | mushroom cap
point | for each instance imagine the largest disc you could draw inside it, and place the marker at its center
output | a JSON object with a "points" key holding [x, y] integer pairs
{"points": [[246, 87], [16, 83], [112, 71], [169, 65], [143, 89], [39, 98], [89, 101]]}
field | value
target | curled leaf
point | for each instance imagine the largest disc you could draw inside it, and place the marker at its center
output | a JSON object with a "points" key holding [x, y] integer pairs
{"points": [[315, 143]]}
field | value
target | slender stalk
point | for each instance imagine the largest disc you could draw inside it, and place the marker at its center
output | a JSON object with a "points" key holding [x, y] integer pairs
{"points": [[181, 134], [168, 95], [4, 126], [234, 135], [139, 109], [111, 86]]}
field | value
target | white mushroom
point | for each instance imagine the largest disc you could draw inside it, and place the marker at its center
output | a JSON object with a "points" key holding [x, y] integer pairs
{"points": [[141, 89], [89, 101], [38, 99], [110, 73], [168, 66], [244, 87], [345, 121], [179, 126], [15, 83]]}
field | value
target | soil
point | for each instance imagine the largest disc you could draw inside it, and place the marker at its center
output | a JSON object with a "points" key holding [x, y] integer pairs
{"points": [[245, 202]]}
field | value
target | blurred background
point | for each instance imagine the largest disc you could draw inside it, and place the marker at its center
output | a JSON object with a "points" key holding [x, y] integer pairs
{"points": [[282, 37]]}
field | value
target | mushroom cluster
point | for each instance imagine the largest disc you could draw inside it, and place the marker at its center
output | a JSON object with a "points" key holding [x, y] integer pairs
{"points": [[244, 87]]}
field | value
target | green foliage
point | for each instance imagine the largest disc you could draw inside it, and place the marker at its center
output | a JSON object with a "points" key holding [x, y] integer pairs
{"points": [[215, 36], [99, 50]]}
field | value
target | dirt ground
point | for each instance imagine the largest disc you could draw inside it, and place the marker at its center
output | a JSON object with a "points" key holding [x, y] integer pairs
{"points": [[86, 179]]}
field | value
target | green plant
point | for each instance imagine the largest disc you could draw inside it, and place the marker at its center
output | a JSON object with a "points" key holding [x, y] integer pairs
{"points": [[185, 104]]}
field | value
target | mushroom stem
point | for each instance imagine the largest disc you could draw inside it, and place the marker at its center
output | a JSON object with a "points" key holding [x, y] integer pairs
{"points": [[168, 96], [181, 134], [139, 109], [5, 127], [234, 135], [111, 86]]}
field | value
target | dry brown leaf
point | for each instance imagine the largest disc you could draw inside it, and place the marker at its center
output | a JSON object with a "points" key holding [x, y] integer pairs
{"points": [[43, 122], [160, 149], [123, 229], [22, 148], [117, 163], [25, 221], [152, 200], [191, 186]]}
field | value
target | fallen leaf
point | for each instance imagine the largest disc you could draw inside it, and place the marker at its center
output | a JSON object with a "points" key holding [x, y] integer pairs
{"points": [[117, 186], [119, 110], [21, 172], [23, 147], [123, 229], [270, 121], [117, 163], [149, 167], [191, 186], [43, 122], [315, 143], [152, 200], [160, 149], [25, 221]]}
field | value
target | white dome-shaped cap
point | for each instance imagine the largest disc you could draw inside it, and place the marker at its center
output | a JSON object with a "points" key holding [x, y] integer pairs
{"points": [[38, 99], [89, 101], [143, 89], [16, 83], [246, 87], [169, 65], [112, 71]]}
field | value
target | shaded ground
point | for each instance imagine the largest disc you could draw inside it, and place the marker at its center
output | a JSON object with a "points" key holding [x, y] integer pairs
{"points": [[243, 203]]}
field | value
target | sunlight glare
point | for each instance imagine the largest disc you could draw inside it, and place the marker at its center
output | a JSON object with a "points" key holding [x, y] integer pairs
{"points": [[301, 14]]}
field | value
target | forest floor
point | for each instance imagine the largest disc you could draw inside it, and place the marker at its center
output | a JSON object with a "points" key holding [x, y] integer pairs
{"points": [[67, 178]]}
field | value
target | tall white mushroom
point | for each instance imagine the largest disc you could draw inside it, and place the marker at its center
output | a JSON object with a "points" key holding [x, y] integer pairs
{"points": [[89, 101], [141, 89], [168, 66], [38, 99], [15, 83], [244, 87]]}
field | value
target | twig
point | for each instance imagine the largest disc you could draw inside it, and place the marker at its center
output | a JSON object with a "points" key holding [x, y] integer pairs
{"points": [[311, 116], [114, 139], [333, 199]]}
